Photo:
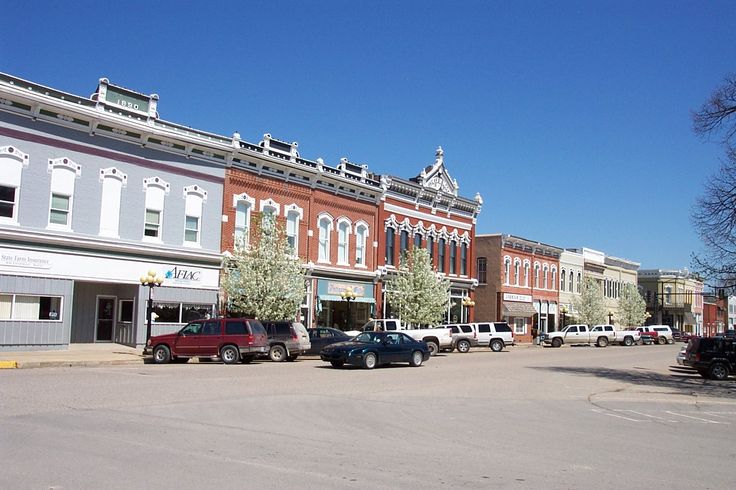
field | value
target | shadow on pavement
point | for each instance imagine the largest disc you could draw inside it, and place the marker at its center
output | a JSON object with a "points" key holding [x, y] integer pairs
{"points": [[680, 380]]}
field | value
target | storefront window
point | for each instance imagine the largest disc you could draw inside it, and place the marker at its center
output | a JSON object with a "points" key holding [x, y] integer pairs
{"points": [[180, 312], [520, 326], [22, 307]]}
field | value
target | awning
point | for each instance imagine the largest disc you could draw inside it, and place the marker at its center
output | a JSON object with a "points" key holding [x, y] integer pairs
{"points": [[690, 318], [519, 309], [334, 297]]}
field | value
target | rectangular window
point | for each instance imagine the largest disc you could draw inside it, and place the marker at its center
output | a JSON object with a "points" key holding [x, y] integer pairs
{"points": [[59, 214], [125, 310], [482, 269], [417, 240], [191, 230], [430, 247], [291, 230], [153, 223], [404, 241], [26, 307], [520, 326], [360, 239], [7, 201], [453, 253], [441, 255], [390, 239], [180, 312]]}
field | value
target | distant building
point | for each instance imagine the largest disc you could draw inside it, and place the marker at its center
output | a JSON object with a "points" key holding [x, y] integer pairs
{"points": [[674, 297]]}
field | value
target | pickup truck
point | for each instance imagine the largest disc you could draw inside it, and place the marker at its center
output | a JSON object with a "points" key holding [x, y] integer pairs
{"points": [[600, 335], [436, 338]]}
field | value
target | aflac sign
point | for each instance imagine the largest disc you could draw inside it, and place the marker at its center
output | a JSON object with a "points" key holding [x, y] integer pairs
{"points": [[182, 275]]}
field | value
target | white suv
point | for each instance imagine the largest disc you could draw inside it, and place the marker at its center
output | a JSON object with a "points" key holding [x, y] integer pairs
{"points": [[663, 331], [497, 335], [463, 336]]}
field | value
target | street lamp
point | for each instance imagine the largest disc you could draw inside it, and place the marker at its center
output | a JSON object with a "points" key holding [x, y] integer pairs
{"points": [[610, 317], [151, 280], [563, 310], [348, 295], [468, 303]]}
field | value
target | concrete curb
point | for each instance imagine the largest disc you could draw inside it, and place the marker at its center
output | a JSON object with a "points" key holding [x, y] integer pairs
{"points": [[50, 364], [8, 364]]}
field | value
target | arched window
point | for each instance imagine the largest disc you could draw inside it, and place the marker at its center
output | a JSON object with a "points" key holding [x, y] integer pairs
{"points": [[324, 224], [390, 245], [562, 280], [194, 196], [507, 270], [63, 174], [156, 191], [361, 238], [554, 278], [12, 162], [526, 273], [517, 271], [536, 275], [569, 282], [244, 205], [441, 255], [579, 285], [545, 277], [453, 256], [403, 241], [293, 215], [464, 259], [113, 181], [343, 241]]}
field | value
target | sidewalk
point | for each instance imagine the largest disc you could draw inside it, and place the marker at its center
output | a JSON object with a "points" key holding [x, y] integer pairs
{"points": [[79, 355]]}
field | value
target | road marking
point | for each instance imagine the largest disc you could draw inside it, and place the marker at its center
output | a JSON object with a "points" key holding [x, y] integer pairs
{"points": [[708, 421], [617, 416], [647, 415], [8, 364]]}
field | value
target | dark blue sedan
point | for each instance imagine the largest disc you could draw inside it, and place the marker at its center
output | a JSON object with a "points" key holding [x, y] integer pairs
{"points": [[371, 349]]}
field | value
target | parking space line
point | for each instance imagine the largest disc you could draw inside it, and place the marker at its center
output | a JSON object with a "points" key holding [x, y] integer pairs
{"points": [[617, 416], [647, 415], [708, 421]]}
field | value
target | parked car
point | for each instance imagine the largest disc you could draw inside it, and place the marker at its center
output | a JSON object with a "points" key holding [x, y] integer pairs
{"points": [[286, 340], [661, 334], [371, 349], [496, 335], [712, 357], [230, 339], [680, 358], [321, 337], [676, 334], [687, 336], [463, 336]]}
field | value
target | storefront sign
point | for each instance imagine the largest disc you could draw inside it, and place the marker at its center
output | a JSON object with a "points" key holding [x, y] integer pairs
{"points": [[181, 275], [14, 260], [337, 288], [522, 298]]}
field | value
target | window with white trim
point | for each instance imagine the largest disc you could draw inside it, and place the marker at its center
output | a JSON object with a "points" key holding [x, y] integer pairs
{"points": [[517, 271], [30, 307], [156, 191], [579, 283], [63, 175], [507, 270], [545, 277], [324, 224], [195, 197], [453, 256], [464, 259], [12, 162], [243, 205], [536, 276], [554, 278], [113, 182], [361, 238], [482, 269], [343, 241], [526, 273], [293, 215]]}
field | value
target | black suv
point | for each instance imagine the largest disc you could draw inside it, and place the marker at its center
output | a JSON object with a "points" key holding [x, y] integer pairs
{"points": [[712, 357]]}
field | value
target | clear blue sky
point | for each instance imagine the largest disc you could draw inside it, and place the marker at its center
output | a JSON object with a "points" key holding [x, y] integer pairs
{"points": [[572, 119]]}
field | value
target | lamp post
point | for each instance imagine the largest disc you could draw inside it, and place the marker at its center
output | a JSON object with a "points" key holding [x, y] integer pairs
{"points": [[151, 280], [348, 295], [610, 317], [468, 303], [563, 310]]}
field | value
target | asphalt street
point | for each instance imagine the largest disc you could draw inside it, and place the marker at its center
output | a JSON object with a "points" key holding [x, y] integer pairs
{"points": [[574, 417]]}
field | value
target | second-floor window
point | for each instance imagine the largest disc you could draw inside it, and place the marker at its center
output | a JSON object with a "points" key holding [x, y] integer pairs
{"points": [[152, 225], [113, 182], [12, 162], [191, 229], [361, 237], [63, 175], [194, 197], [325, 228], [517, 272], [60, 212], [343, 242], [464, 259], [156, 191], [390, 239], [430, 248], [242, 222], [453, 257], [441, 255], [482, 270], [403, 242], [292, 230]]}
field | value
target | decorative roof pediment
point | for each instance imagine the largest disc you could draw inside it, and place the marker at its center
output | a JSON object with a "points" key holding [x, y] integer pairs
{"points": [[436, 177]]}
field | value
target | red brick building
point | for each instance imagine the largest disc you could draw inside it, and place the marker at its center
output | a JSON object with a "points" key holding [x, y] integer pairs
{"points": [[330, 218], [518, 283], [426, 211]]}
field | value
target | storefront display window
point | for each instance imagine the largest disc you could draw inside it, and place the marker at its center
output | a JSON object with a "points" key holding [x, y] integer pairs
{"points": [[26, 307], [180, 312]]}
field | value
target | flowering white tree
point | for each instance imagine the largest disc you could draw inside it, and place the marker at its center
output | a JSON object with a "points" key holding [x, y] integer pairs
{"points": [[589, 307], [631, 306], [416, 292], [264, 279]]}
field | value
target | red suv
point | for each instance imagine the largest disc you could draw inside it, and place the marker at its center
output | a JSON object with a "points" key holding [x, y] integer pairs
{"points": [[230, 339]]}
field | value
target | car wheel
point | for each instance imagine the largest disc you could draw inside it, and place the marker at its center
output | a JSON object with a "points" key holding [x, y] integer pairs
{"points": [[661, 340], [463, 346], [247, 359], [277, 353], [670, 341], [229, 354], [556, 342], [602, 342], [370, 360], [416, 358], [337, 364], [161, 354], [292, 358], [433, 348], [718, 371], [628, 341], [496, 345]]}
